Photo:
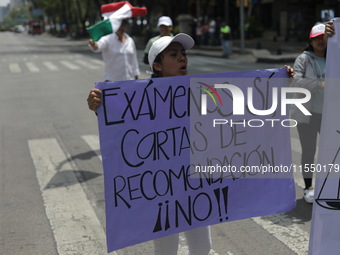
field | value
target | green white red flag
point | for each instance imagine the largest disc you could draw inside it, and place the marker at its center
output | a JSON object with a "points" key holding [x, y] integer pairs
{"points": [[113, 14]]}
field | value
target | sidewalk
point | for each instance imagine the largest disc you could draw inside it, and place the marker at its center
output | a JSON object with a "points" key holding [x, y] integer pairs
{"points": [[256, 50], [264, 50]]}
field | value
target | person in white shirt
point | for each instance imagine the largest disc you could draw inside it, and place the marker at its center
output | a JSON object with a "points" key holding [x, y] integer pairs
{"points": [[119, 55]]}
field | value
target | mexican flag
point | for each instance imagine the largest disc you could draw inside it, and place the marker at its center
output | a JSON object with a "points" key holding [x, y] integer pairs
{"points": [[113, 14]]}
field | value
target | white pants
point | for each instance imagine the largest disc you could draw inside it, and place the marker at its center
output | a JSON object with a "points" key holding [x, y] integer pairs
{"points": [[198, 240]]}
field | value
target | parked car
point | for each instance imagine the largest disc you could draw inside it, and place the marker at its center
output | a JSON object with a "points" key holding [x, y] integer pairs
{"points": [[19, 29]]}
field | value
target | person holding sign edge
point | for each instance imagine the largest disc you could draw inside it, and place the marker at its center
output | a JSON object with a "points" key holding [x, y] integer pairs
{"points": [[309, 72]]}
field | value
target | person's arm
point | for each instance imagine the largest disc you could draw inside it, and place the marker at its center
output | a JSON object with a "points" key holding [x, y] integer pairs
{"points": [[94, 99], [100, 45], [93, 45], [290, 71], [300, 65]]}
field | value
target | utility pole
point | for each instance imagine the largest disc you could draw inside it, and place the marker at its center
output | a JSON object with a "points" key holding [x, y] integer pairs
{"points": [[242, 26], [226, 11]]}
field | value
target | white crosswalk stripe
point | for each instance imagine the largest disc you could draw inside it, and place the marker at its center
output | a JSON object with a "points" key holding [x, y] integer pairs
{"points": [[51, 66], [35, 65], [15, 68], [292, 236], [295, 143], [86, 64], [32, 67], [69, 65], [97, 62], [76, 227], [93, 142], [68, 225]]}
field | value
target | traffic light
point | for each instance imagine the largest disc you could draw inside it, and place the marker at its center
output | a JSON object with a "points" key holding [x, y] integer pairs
{"points": [[245, 3]]}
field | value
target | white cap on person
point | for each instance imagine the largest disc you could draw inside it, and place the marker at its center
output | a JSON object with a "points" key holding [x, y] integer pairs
{"points": [[164, 20], [160, 44], [317, 30]]}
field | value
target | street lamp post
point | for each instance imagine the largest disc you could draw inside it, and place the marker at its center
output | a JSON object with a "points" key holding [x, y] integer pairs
{"points": [[241, 26]]}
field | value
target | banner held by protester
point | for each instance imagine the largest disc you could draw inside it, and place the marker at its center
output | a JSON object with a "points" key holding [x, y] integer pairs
{"points": [[168, 169], [325, 231]]}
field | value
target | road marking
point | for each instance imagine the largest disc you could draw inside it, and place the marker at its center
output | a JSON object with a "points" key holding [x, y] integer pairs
{"points": [[50, 66], [75, 225], [93, 142], [14, 68], [98, 62], [69, 65], [183, 248], [86, 64], [32, 67], [285, 229], [295, 144]]}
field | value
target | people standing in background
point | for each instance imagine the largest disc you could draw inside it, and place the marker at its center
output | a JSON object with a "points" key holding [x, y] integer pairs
{"points": [[199, 33], [119, 55], [165, 27], [218, 26], [212, 28], [205, 32], [225, 35]]}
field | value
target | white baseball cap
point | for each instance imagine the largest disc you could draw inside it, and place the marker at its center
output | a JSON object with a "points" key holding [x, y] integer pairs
{"points": [[164, 20], [160, 44], [317, 30]]}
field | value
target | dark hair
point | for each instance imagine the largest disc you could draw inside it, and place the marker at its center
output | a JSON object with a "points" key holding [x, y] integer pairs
{"points": [[155, 73], [309, 46]]}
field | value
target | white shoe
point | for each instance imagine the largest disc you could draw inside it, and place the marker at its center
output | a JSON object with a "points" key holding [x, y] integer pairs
{"points": [[308, 195]]}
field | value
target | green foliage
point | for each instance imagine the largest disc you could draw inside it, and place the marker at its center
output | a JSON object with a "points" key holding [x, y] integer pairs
{"points": [[17, 15]]}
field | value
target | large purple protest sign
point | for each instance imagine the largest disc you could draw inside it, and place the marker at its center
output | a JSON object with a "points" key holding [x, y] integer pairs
{"points": [[325, 231], [153, 136]]}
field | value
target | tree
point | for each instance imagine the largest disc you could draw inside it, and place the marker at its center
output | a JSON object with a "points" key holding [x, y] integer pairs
{"points": [[17, 16]]}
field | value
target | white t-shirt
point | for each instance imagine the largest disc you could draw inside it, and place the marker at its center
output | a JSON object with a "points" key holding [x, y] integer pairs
{"points": [[120, 58]]}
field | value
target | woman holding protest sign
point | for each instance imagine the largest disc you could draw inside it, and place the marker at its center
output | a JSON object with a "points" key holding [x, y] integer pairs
{"points": [[167, 57], [309, 68]]}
